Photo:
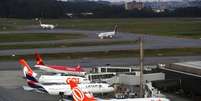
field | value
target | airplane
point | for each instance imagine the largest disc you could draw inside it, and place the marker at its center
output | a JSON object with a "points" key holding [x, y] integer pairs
{"points": [[46, 26], [108, 34], [59, 89], [58, 69], [58, 78], [79, 95]]}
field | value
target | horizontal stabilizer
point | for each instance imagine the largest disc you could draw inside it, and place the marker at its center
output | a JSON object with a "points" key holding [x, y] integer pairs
{"points": [[27, 88]]}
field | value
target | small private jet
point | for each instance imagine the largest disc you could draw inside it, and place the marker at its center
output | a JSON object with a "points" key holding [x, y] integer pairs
{"points": [[46, 26], [111, 34], [57, 68], [79, 95]]}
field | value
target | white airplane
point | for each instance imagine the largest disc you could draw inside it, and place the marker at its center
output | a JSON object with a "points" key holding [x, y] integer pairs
{"points": [[58, 78], [108, 34], [60, 89], [79, 95], [46, 26]]}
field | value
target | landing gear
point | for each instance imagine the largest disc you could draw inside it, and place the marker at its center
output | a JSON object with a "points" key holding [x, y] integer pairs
{"points": [[61, 96]]}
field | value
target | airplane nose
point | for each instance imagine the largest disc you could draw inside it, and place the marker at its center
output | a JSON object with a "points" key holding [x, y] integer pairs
{"points": [[111, 89]]}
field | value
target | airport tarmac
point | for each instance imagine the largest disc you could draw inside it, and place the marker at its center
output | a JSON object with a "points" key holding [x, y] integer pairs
{"points": [[11, 89], [11, 81], [92, 62], [151, 42]]}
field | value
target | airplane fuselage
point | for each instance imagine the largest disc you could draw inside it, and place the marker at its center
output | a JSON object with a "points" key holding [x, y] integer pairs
{"points": [[61, 69], [61, 79], [106, 35], [91, 87], [47, 26], [136, 99]]}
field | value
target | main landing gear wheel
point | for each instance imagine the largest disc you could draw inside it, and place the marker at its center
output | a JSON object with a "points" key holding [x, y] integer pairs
{"points": [[61, 96]]}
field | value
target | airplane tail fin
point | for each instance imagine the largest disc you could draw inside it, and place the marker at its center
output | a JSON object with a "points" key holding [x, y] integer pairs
{"points": [[39, 60], [40, 21], [30, 76], [115, 28], [79, 95], [26, 68]]}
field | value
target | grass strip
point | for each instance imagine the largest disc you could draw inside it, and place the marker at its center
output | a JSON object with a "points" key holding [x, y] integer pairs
{"points": [[179, 27], [22, 37], [67, 44], [113, 54]]}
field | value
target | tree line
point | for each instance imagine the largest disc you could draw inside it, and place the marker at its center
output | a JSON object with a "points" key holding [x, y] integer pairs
{"points": [[60, 9]]}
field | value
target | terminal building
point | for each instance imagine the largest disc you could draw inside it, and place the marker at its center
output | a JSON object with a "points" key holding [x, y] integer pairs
{"points": [[118, 69], [123, 75], [134, 5], [185, 76], [127, 79]]}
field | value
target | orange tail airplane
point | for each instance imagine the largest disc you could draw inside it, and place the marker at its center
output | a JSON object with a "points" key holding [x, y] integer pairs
{"points": [[79, 95]]}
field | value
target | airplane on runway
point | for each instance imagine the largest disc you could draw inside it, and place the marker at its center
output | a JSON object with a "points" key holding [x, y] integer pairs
{"points": [[46, 26], [108, 34], [59, 89], [79, 95], [58, 69], [58, 78]]}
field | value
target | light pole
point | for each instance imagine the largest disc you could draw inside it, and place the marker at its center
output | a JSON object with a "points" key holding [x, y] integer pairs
{"points": [[141, 67]]}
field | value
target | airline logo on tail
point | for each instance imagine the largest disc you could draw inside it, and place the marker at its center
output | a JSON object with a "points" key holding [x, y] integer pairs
{"points": [[30, 76], [26, 68], [79, 95]]}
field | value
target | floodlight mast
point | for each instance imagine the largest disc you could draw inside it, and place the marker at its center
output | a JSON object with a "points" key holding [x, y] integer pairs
{"points": [[141, 95]]}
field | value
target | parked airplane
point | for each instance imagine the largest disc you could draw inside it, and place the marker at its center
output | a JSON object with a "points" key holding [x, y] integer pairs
{"points": [[59, 89], [58, 69], [46, 26], [58, 78], [108, 34], [79, 95]]}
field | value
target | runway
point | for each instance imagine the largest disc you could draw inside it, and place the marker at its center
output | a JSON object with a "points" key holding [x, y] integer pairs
{"points": [[93, 62], [150, 42], [11, 82]]}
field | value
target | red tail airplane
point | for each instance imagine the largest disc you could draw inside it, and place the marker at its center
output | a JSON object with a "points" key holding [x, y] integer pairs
{"points": [[58, 69]]}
